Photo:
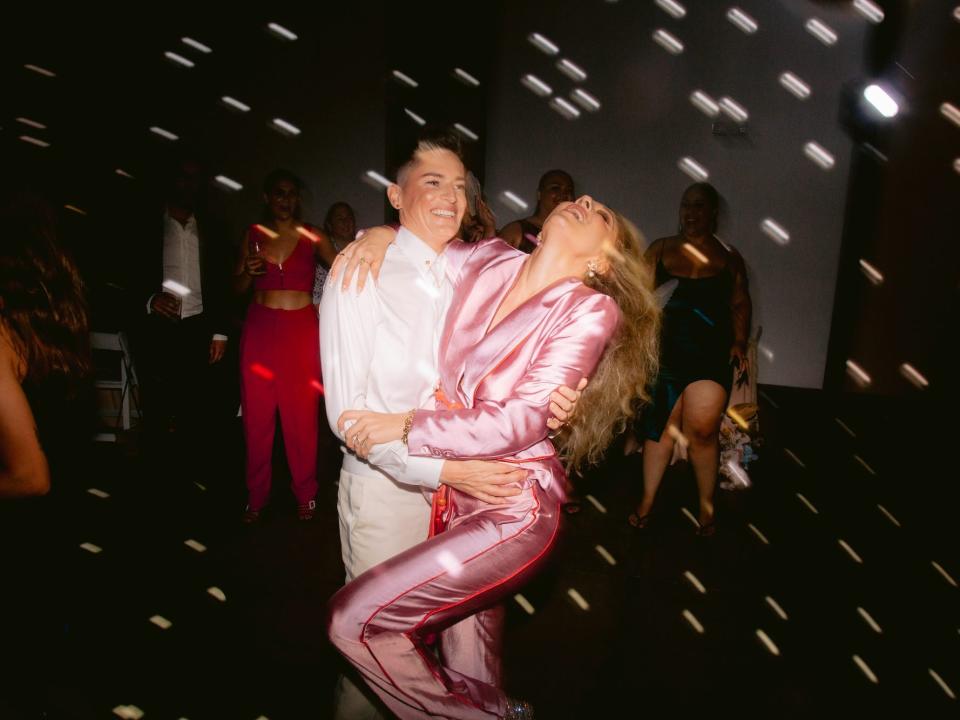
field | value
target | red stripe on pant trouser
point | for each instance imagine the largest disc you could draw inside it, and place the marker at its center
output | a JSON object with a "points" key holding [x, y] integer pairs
{"points": [[379, 620], [287, 344]]}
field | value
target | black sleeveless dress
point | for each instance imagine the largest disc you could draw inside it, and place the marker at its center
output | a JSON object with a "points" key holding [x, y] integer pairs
{"points": [[695, 339]]}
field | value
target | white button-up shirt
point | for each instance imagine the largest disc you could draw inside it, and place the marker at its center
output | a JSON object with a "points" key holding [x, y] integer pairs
{"points": [[379, 351], [181, 261]]}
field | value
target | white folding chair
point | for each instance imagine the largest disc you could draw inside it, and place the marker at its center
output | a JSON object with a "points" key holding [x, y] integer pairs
{"points": [[117, 342]]}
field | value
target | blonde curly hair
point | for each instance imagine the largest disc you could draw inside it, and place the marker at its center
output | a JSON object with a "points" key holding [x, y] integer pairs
{"points": [[619, 385]]}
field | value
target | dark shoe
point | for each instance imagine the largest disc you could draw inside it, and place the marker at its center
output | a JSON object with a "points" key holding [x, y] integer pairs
{"points": [[708, 530], [639, 522], [250, 516], [306, 512]]}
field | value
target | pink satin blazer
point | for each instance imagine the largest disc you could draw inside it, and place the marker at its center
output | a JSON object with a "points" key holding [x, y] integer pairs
{"points": [[503, 379]]}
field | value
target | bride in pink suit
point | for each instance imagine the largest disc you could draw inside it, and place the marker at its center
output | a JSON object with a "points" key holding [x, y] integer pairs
{"points": [[580, 306]]}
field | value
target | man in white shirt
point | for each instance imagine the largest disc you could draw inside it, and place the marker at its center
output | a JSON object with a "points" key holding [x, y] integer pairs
{"points": [[379, 349], [183, 337]]}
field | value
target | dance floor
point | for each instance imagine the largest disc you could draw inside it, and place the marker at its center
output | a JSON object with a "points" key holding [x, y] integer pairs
{"points": [[830, 587]]}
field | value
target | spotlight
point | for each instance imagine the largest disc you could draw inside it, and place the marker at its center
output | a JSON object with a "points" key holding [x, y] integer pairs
{"points": [[880, 100], [867, 112]]}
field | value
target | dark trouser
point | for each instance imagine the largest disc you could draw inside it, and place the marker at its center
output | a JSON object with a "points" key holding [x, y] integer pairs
{"points": [[182, 396]]}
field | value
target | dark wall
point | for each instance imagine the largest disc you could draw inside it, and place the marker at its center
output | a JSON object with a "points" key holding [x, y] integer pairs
{"points": [[113, 84], [903, 203]]}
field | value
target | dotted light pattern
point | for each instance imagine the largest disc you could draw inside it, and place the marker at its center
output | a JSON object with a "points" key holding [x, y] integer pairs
{"points": [[705, 104]]}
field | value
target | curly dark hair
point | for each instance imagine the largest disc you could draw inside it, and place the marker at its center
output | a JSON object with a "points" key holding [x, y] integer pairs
{"points": [[42, 307]]}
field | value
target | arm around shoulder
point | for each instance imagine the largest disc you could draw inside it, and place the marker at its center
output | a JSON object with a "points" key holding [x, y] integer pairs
{"points": [[503, 427]]}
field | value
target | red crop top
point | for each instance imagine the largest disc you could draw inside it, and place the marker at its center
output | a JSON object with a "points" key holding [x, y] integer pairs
{"points": [[294, 273]]}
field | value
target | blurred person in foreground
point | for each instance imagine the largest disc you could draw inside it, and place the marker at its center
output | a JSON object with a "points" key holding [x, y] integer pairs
{"points": [[45, 389]]}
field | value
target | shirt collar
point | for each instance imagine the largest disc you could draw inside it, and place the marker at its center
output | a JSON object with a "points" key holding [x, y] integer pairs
{"points": [[422, 255], [191, 221]]}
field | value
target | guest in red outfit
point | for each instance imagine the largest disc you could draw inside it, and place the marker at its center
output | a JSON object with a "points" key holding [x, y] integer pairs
{"points": [[280, 345]]}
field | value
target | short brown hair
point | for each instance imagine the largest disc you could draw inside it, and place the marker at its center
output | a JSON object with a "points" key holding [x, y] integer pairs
{"points": [[431, 139]]}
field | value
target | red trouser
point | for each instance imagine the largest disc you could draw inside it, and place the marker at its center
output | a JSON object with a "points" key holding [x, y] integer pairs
{"points": [[380, 620], [280, 368]]}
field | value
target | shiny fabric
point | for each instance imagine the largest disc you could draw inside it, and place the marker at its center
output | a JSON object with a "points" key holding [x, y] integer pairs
{"points": [[379, 350], [695, 341], [280, 370], [449, 584], [379, 518], [297, 272], [503, 377], [381, 620]]}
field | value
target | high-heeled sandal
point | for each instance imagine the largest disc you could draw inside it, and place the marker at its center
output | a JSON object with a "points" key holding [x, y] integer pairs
{"points": [[639, 522], [306, 512], [250, 516], [518, 710]]}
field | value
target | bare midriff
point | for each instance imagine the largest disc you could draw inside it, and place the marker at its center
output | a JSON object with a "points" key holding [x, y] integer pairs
{"points": [[283, 299]]}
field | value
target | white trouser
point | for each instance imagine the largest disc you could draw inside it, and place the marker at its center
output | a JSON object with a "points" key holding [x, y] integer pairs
{"points": [[378, 519]]}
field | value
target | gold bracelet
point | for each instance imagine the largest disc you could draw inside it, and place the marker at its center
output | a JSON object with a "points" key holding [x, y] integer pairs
{"points": [[407, 424]]}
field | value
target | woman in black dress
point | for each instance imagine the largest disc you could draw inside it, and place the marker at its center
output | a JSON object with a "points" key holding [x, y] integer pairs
{"points": [[706, 325]]}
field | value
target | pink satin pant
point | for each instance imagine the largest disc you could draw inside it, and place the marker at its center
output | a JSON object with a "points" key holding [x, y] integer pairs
{"points": [[381, 620], [280, 370]]}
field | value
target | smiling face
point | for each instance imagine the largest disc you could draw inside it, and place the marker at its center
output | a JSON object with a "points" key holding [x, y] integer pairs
{"points": [[283, 200], [698, 213], [431, 196], [343, 225], [587, 228]]}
